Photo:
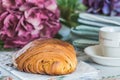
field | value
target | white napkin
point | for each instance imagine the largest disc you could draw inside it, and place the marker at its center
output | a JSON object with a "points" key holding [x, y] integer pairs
{"points": [[83, 72]]}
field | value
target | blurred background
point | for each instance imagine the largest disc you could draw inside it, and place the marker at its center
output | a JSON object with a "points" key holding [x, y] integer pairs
{"points": [[77, 21]]}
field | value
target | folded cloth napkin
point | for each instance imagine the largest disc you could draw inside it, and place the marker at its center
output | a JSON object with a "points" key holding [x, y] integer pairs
{"points": [[82, 43], [100, 18], [83, 72], [74, 36], [85, 32], [6, 75], [93, 23], [87, 28]]}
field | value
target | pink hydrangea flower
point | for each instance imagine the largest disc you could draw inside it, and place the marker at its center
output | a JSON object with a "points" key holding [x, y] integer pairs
{"points": [[22, 21]]}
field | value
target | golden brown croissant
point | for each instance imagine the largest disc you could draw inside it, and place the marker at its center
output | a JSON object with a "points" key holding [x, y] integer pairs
{"points": [[50, 56]]}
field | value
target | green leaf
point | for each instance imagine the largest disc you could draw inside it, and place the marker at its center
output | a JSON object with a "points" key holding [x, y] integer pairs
{"points": [[1, 42], [69, 11], [5, 49], [81, 7]]}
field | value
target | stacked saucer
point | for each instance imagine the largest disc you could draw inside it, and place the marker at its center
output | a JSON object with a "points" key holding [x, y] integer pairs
{"points": [[95, 53]]}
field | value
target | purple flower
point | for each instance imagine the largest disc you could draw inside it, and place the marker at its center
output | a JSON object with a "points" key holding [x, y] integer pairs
{"points": [[107, 7], [22, 21]]}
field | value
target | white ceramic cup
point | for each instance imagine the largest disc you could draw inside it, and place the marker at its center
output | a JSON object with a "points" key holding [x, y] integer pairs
{"points": [[109, 38]]}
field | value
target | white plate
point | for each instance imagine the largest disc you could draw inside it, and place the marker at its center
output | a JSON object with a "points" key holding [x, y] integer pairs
{"points": [[96, 54]]}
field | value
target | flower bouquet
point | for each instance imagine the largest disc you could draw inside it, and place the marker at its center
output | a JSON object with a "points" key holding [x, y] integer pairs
{"points": [[22, 21]]}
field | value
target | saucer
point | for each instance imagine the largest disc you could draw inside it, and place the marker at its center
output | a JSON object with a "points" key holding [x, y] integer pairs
{"points": [[95, 53]]}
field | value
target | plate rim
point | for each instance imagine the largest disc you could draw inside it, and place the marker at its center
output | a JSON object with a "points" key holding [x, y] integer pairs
{"points": [[97, 56]]}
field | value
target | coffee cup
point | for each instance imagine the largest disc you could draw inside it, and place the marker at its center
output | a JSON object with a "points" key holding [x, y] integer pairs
{"points": [[109, 38]]}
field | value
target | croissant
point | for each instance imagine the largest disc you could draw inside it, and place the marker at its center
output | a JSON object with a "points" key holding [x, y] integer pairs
{"points": [[49, 56]]}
